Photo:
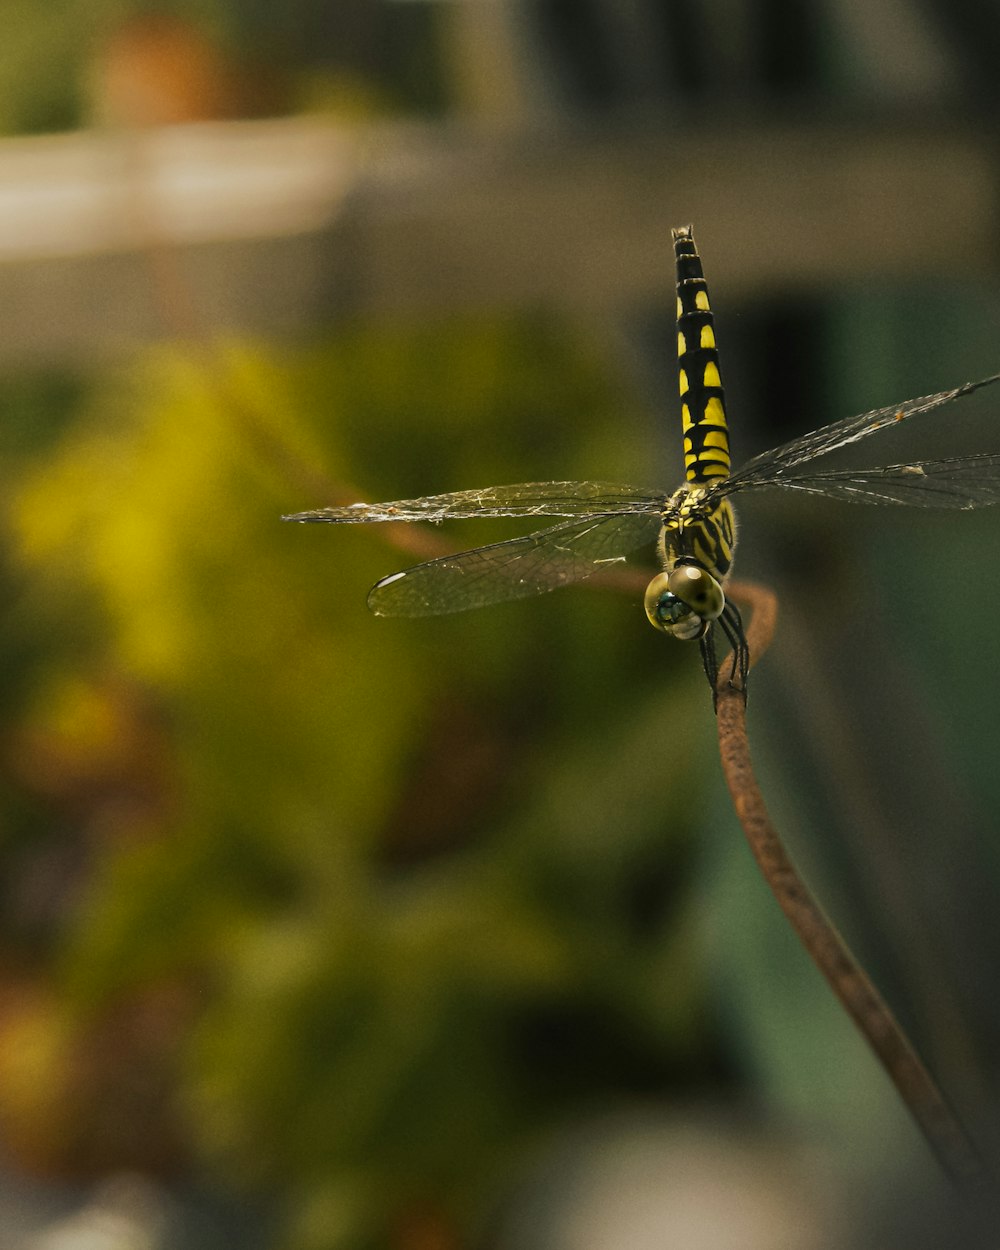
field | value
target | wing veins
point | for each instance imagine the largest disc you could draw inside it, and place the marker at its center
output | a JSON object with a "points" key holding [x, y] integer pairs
{"points": [[962, 482], [520, 567], [524, 499], [766, 467]]}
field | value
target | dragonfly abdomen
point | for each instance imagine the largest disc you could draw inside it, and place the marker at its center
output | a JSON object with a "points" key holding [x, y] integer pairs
{"points": [[703, 410]]}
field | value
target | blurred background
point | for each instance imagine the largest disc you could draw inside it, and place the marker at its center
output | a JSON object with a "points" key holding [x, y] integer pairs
{"points": [[323, 932]]}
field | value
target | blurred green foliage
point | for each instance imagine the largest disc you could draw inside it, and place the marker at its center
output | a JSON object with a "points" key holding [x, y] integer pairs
{"points": [[399, 895]]}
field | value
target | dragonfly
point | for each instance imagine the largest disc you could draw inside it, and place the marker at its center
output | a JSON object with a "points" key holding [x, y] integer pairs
{"points": [[598, 524]]}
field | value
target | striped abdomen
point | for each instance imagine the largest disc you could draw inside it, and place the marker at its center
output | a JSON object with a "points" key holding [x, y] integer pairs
{"points": [[703, 412]]}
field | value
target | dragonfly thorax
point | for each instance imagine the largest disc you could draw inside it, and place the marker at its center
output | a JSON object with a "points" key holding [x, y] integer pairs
{"points": [[696, 546], [699, 528], [684, 601]]}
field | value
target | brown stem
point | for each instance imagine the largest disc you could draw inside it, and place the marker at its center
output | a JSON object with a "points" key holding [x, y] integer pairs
{"points": [[827, 949]]}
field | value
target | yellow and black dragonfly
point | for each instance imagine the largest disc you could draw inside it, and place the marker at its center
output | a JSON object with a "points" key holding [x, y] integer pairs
{"points": [[694, 526]]}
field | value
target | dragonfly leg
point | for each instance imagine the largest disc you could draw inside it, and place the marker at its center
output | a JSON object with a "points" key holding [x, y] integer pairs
{"points": [[732, 626], [709, 659]]}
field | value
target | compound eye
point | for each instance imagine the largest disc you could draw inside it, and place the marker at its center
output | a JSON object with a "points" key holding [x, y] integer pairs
{"points": [[667, 612], [698, 589], [660, 602]]}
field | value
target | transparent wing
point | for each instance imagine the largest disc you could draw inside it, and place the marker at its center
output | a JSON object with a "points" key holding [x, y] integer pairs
{"points": [[515, 569], [567, 499], [763, 469], [959, 482]]}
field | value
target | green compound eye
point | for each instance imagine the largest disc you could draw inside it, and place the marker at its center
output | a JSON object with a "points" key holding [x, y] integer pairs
{"points": [[698, 589], [663, 608], [684, 601]]}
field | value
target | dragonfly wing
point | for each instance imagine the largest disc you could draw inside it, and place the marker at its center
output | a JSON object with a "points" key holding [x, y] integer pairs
{"points": [[839, 434], [959, 482], [515, 569], [568, 499]]}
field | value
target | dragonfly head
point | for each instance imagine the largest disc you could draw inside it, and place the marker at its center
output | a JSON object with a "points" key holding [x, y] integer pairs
{"points": [[685, 601]]}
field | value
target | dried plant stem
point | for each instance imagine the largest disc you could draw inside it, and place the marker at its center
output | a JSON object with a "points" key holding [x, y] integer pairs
{"points": [[866, 1007]]}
